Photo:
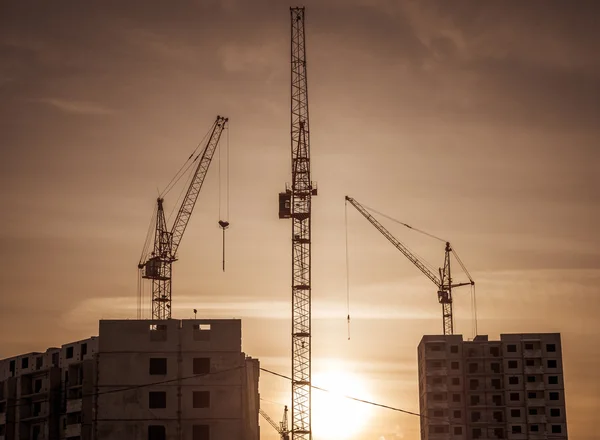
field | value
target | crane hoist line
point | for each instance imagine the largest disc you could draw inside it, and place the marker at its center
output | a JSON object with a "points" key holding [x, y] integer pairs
{"points": [[443, 279], [157, 264]]}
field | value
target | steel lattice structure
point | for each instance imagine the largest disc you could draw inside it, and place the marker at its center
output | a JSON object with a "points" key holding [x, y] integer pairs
{"points": [[295, 203], [443, 281], [159, 264]]}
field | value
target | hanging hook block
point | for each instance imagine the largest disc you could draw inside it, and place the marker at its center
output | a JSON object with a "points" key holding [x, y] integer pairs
{"points": [[223, 224]]}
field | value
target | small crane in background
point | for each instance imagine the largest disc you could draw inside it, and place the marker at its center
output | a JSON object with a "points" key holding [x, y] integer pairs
{"points": [[443, 281], [156, 264], [281, 427]]}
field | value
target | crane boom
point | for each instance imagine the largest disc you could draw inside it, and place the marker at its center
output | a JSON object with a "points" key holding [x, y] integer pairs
{"points": [[159, 265], [272, 422], [387, 234], [187, 206], [443, 281], [281, 427]]}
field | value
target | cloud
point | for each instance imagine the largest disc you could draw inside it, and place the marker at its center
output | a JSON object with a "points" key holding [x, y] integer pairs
{"points": [[76, 107], [256, 58]]}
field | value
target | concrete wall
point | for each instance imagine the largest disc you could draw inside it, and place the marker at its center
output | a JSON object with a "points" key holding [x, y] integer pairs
{"points": [[488, 389], [98, 388], [124, 382]]}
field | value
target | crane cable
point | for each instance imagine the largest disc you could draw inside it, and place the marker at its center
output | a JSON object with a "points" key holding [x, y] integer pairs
{"points": [[187, 164], [347, 267], [423, 260], [224, 223], [143, 256], [473, 295], [404, 224], [184, 188]]}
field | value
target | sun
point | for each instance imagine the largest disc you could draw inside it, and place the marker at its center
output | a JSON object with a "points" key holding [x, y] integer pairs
{"points": [[335, 417]]}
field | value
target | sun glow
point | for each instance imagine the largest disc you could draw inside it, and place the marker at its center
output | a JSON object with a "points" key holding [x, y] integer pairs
{"points": [[335, 417]]}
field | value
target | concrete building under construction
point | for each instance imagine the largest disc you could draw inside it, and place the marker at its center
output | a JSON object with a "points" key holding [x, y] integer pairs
{"points": [[481, 389], [139, 379]]}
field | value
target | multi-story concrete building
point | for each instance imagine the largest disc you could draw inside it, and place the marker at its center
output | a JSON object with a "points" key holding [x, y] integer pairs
{"points": [[155, 380], [507, 389]]}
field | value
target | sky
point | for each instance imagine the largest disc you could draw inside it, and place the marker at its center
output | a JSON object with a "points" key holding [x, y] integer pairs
{"points": [[475, 121]]}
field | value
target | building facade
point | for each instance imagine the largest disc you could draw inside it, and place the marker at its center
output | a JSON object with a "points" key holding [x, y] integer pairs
{"points": [[155, 380], [481, 389]]}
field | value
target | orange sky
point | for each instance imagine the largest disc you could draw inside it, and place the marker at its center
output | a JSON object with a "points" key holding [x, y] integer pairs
{"points": [[477, 122]]}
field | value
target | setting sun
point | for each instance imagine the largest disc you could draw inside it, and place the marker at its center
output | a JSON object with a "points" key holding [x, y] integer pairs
{"points": [[335, 417]]}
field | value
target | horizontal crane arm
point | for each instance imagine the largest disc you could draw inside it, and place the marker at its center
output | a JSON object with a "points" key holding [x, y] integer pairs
{"points": [[387, 234]]}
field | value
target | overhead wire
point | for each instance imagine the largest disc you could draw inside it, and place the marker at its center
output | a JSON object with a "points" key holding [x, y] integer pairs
{"points": [[443, 421], [122, 389], [266, 370]]}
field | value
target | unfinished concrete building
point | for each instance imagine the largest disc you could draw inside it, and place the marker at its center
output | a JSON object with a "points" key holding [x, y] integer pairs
{"points": [[138, 379], [507, 389]]}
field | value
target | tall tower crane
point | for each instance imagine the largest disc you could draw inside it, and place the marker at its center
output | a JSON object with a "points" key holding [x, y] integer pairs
{"points": [[295, 203], [281, 427], [443, 281], [157, 266]]}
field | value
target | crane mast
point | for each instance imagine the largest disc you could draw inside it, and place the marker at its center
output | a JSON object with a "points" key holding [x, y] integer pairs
{"points": [[295, 203], [443, 281], [158, 267]]}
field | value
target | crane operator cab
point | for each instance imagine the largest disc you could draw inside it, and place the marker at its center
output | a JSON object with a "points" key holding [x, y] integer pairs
{"points": [[285, 204]]}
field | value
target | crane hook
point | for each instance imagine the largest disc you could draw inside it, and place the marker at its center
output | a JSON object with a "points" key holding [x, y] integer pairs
{"points": [[223, 224]]}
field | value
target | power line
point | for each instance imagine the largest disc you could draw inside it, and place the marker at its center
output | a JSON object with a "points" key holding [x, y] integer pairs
{"points": [[404, 411], [33, 397], [162, 382]]}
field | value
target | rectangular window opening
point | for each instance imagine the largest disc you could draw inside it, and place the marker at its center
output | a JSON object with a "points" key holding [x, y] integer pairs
{"points": [[157, 399], [200, 432], [201, 365], [201, 399], [157, 432], [158, 366]]}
